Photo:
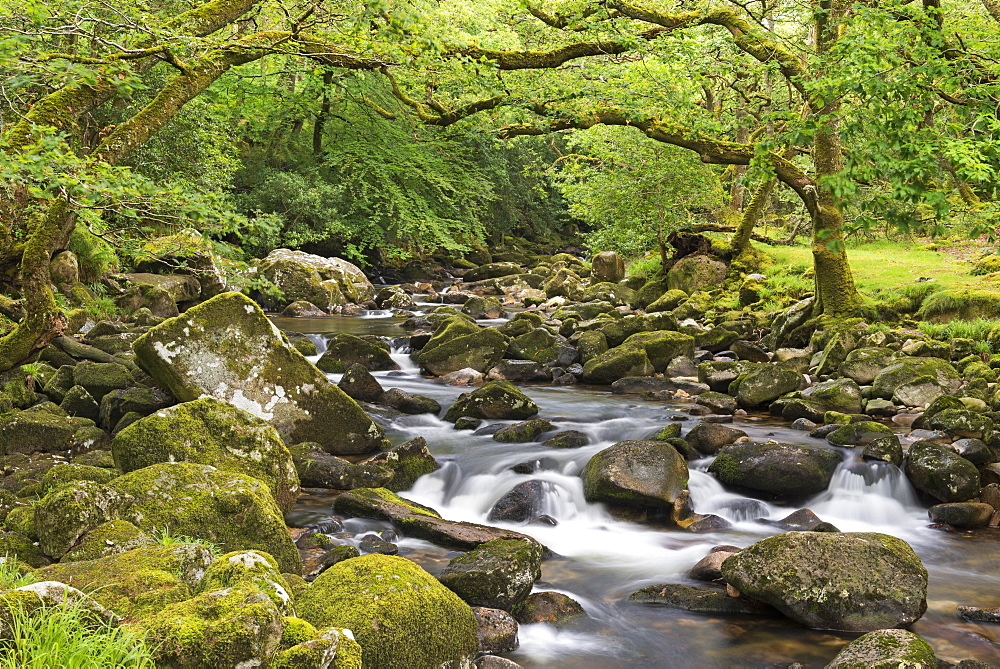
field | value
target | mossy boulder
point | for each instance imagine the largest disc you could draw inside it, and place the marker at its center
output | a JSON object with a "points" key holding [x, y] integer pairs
{"points": [[962, 514], [232, 510], [618, 363], [885, 448], [542, 346], [591, 344], [186, 252], [886, 649], [448, 329], [662, 346], [842, 395], [319, 469], [607, 266], [211, 432], [143, 401], [111, 538], [251, 569], [410, 403], [400, 615], [35, 432], [303, 276], [696, 599], [496, 399], [63, 474], [345, 350], [778, 469], [493, 270], [706, 438], [478, 307], [233, 627], [332, 648], [695, 272], [359, 384], [548, 607], [667, 301], [523, 432], [564, 283], [137, 583], [497, 574], [850, 581], [480, 350], [645, 474], [859, 434], [612, 293], [762, 384], [908, 371], [406, 463], [941, 473], [100, 378], [64, 515], [963, 423], [227, 348], [78, 403]]}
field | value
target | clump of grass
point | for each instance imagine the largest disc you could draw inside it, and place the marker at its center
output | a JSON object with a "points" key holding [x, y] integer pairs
{"points": [[984, 331], [165, 538], [968, 303], [69, 636], [12, 576], [647, 268], [987, 265]]}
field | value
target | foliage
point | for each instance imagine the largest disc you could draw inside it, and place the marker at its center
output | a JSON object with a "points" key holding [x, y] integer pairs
{"points": [[631, 190], [11, 574], [165, 538], [68, 636]]}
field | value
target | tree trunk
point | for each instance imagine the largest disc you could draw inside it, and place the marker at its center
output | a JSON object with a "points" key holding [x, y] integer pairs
{"points": [[751, 214]]}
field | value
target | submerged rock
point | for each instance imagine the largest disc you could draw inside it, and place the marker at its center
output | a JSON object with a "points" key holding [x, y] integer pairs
{"points": [[227, 348], [851, 581], [497, 574], [496, 399], [886, 649], [548, 607], [693, 598]]}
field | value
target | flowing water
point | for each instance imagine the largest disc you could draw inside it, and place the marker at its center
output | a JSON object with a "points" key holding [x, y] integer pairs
{"points": [[601, 559]]}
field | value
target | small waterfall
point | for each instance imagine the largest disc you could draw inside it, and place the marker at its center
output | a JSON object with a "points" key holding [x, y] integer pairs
{"points": [[863, 494], [709, 496], [320, 341]]}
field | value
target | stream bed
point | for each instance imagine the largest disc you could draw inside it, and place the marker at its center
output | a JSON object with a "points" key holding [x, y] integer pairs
{"points": [[600, 560]]}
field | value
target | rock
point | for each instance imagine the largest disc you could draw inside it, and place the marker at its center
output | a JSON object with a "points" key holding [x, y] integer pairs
{"points": [[979, 614], [400, 614], [496, 630], [466, 377], [554, 608], [974, 450], [863, 364], [64, 269], [477, 307], [709, 438], [859, 434], [80, 404], [695, 272], [543, 347], [358, 383], [647, 474], [407, 462], [961, 514], [616, 363], [64, 515], [393, 297], [111, 538], [302, 309], [225, 628], [567, 439], [187, 252], [564, 283], [101, 378], [667, 301], [777, 469], [325, 282], [803, 520], [249, 569], [329, 648], [145, 296], [142, 401], [841, 395], [139, 582], [417, 521], [717, 403], [372, 543], [764, 384], [498, 574], [748, 352], [933, 371], [522, 504], [228, 349], [523, 432], [885, 448], [709, 568], [492, 271], [232, 510], [692, 598], [941, 473], [410, 403], [962, 423], [480, 350], [847, 581], [180, 287], [496, 399], [518, 370], [886, 649], [345, 350], [210, 431], [607, 266]]}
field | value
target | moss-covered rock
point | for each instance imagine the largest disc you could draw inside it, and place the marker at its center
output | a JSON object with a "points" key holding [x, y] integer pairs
{"points": [[842, 395], [480, 350], [667, 301], [64, 515], [607, 266], [886, 649], [211, 431], [234, 627], [326, 282], [694, 598], [143, 401], [777, 469], [401, 615], [565, 283], [885, 448], [16, 545], [695, 272], [345, 350], [962, 514], [235, 511], [137, 583], [523, 432], [497, 574], [863, 364], [548, 607], [496, 399], [962, 423], [478, 307], [542, 346], [618, 363], [493, 271], [941, 473], [648, 474], [35, 432], [319, 469], [407, 462], [62, 474], [908, 371], [852, 581], [662, 346], [332, 648], [111, 538], [359, 384], [764, 383], [859, 434], [250, 569], [227, 348], [100, 378]]}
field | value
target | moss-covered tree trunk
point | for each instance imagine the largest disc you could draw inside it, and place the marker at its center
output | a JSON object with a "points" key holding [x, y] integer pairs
{"points": [[752, 212]]}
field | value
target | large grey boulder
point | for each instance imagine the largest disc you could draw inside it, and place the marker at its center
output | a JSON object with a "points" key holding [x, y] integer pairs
{"points": [[778, 469], [607, 266], [302, 276], [228, 349], [886, 649], [649, 474], [692, 273], [908, 372], [764, 383], [850, 581]]}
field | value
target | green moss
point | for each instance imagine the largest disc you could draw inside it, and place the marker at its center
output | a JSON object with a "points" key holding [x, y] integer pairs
{"points": [[295, 631], [64, 515], [377, 495], [496, 399], [401, 616], [21, 519], [116, 536], [62, 474], [249, 569], [21, 547]]}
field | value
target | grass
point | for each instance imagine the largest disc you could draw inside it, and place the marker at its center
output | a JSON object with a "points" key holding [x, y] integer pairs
{"points": [[11, 575], [165, 538]]}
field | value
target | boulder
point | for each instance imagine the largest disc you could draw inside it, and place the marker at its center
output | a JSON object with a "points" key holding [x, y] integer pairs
{"points": [[859, 434], [496, 629], [186, 252], [667, 301], [211, 432], [778, 469], [709, 438], [100, 378], [617, 363], [764, 383], [567, 439], [886, 649], [300, 275], [67, 513], [841, 395], [249, 569], [302, 309], [863, 364], [358, 383], [542, 346], [407, 462], [480, 350], [401, 615], [232, 627], [180, 287], [232, 510], [522, 504], [941, 473], [492, 271], [319, 469], [345, 350], [850, 581], [962, 514], [228, 349], [141, 401], [695, 272], [697, 599], [908, 371], [496, 399], [477, 308], [111, 538], [519, 370], [410, 403], [648, 474], [523, 432], [607, 266], [885, 448], [662, 346], [962, 423], [565, 283], [497, 574], [554, 608]]}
